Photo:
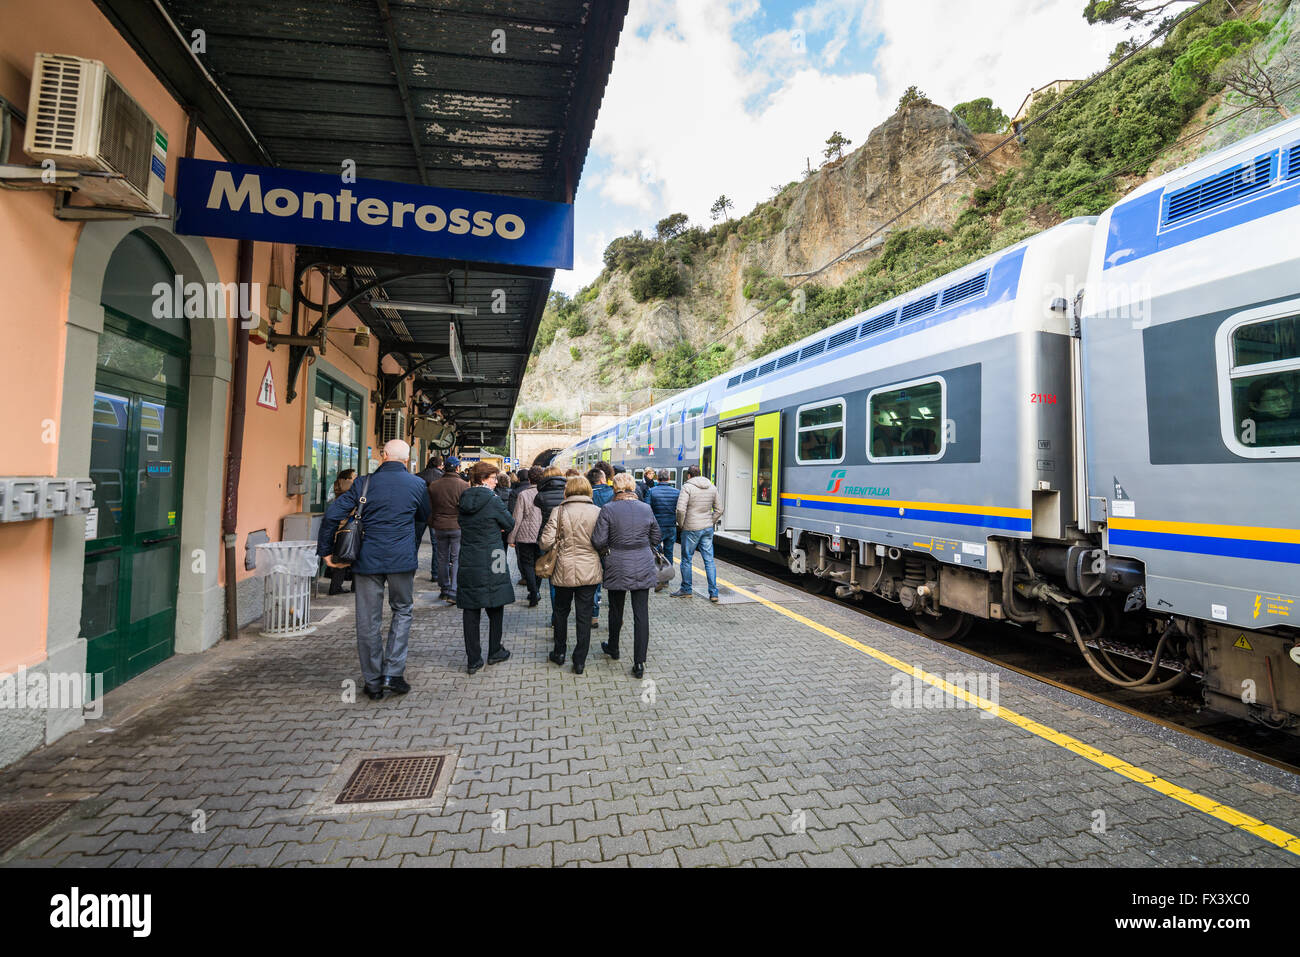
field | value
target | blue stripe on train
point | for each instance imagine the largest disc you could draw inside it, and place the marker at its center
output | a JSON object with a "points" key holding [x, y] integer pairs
{"points": [[1205, 545], [919, 514]]}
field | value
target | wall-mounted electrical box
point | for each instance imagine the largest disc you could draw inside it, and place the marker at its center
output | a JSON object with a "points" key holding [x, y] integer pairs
{"points": [[296, 481], [28, 498]]}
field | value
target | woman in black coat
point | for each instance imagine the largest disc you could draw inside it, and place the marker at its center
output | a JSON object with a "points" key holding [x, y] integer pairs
{"points": [[628, 528], [483, 578]]}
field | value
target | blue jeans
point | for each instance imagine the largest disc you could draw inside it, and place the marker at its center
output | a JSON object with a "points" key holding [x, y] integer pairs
{"points": [[701, 539], [669, 539]]}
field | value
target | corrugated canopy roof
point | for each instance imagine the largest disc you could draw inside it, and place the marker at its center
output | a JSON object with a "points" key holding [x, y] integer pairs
{"points": [[413, 91]]}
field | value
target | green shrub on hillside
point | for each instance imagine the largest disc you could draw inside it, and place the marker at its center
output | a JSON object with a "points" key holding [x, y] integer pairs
{"points": [[638, 355], [656, 278]]}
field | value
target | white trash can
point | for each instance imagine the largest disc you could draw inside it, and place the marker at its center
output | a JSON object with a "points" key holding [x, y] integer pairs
{"points": [[288, 568]]}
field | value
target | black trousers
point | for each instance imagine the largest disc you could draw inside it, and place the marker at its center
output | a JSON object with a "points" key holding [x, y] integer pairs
{"points": [[564, 600], [526, 554], [471, 618], [640, 621]]}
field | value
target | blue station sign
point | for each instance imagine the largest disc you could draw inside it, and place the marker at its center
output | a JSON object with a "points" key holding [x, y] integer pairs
{"points": [[232, 201]]}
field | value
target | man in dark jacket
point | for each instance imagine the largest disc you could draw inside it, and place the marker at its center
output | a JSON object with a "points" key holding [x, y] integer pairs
{"points": [[432, 472], [644, 486], [444, 495], [662, 499], [395, 502]]}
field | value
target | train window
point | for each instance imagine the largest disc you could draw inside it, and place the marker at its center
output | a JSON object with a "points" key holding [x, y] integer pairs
{"points": [[905, 422], [1262, 394], [656, 423], [697, 405], [820, 433]]}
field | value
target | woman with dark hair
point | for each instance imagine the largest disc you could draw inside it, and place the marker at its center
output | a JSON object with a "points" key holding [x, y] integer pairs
{"points": [[342, 482], [577, 567], [483, 576], [628, 531]]}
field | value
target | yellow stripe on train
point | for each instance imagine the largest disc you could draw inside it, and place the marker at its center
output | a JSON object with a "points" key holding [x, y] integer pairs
{"points": [[927, 506], [1247, 532]]}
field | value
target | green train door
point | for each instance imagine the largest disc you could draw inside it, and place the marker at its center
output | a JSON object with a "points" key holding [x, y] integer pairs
{"points": [[132, 563], [765, 495], [708, 455]]}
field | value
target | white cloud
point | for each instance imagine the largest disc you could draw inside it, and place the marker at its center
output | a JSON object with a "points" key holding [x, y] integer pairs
{"points": [[690, 112]]}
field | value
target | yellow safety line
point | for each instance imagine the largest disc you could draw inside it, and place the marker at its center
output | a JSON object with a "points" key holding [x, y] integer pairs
{"points": [[1288, 842]]}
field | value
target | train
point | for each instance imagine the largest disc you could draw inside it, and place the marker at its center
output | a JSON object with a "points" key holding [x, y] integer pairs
{"points": [[1093, 433]]}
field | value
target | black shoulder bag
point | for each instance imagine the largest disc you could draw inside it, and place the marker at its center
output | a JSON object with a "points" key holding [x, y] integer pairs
{"points": [[348, 536]]}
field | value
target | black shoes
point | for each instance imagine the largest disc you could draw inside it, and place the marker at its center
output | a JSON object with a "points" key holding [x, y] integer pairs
{"points": [[374, 692], [475, 667], [577, 669], [498, 656], [534, 602], [442, 596], [396, 684], [612, 652], [638, 670], [556, 659]]}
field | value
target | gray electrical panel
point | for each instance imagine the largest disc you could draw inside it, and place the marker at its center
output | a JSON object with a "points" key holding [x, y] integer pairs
{"points": [[296, 482]]}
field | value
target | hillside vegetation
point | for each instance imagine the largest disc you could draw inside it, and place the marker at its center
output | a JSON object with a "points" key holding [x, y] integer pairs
{"points": [[676, 308]]}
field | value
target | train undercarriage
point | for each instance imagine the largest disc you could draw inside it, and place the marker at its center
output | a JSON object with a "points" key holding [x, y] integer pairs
{"points": [[1078, 592]]}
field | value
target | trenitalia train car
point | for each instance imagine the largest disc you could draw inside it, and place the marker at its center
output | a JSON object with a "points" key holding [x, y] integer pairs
{"points": [[1094, 433]]}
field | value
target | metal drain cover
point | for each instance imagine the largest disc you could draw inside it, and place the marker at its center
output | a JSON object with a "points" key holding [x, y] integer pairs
{"points": [[379, 780], [20, 821], [388, 781]]}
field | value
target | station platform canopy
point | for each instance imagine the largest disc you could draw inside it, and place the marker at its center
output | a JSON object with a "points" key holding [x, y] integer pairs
{"points": [[493, 96]]}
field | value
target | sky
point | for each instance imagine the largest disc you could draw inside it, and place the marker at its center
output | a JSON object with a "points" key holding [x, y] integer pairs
{"points": [[734, 96]]}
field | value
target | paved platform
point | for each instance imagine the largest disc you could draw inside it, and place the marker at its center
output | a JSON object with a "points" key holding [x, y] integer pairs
{"points": [[777, 729]]}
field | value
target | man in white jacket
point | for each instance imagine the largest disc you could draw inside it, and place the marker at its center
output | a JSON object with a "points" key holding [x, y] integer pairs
{"points": [[699, 509]]}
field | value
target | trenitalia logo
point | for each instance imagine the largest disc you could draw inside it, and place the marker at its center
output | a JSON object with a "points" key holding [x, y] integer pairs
{"points": [[278, 205], [836, 485]]}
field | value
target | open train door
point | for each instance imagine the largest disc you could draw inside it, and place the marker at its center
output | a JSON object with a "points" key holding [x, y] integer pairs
{"points": [[708, 453], [765, 492]]}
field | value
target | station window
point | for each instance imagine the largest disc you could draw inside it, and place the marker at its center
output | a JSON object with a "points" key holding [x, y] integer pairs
{"points": [[820, 433], [1263, 385], [905, 422]]}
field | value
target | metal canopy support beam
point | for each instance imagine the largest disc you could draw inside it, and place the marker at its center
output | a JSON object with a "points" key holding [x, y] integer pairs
{"points": [[399, 72], [440, 350]]}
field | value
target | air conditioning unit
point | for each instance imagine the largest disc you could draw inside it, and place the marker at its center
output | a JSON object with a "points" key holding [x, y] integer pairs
{"points": [[393, 425], [81, 117], [397, 398]]}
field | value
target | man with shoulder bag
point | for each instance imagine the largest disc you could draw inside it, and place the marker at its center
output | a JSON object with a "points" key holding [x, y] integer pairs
{"points": [[379, 515]]}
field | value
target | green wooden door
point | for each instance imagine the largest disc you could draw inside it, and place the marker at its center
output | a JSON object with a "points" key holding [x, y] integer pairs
{"points": [[133, 560]]}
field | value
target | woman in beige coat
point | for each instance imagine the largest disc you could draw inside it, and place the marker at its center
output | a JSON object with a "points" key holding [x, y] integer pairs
{"points": [[577, 567]]}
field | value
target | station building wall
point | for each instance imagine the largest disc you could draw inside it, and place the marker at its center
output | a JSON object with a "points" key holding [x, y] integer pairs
{"points": [[52, 272]]}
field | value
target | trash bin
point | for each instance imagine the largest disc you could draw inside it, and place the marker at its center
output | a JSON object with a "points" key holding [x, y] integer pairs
{"points": [[288, 569]]}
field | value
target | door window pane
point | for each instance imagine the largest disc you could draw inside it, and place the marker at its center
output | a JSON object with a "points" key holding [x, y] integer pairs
{"points": [[764, 492], [158, 493], [139, 360], [108, 460], [907, 422], [153, 580], [1266, 383], [820, 431], [99, 595]]}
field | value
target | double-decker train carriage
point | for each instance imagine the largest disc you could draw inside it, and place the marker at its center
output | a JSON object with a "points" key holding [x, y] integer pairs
{"points": [[1095, 432]]}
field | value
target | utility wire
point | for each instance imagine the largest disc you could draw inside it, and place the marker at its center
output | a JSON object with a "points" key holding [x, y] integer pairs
{"points": [[1073, 93]]}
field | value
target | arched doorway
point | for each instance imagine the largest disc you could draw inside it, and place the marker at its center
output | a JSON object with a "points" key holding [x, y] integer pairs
{"points": [[137, 453]]}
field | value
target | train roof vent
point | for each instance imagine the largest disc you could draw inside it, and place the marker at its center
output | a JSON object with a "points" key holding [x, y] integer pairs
{"points": [[1293, 164], [1220, 189], [842, 338], [878, 324], [922, 307], [733, 382], [749, 375], [817, 348], [969, 289], [766, 367], [789, 359]]}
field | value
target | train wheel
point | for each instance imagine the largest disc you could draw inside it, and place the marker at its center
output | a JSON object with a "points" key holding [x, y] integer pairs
{"points": [[949, 626]]}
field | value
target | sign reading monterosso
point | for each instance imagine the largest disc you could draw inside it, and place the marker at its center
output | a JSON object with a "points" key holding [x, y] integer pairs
{"points": [[317, 209]]}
